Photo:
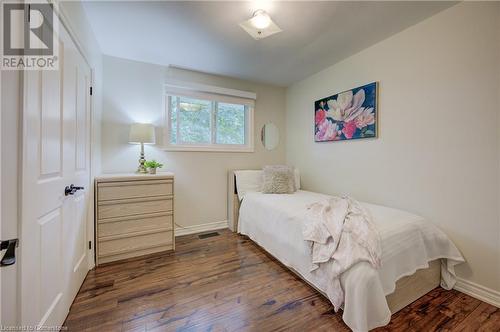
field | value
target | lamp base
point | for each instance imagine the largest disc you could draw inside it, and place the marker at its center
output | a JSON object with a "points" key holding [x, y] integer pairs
{"points": [[142, 169]]}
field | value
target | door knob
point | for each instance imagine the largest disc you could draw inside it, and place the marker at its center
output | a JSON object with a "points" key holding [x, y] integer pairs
{"points": [[71, 189], [10, 255]]}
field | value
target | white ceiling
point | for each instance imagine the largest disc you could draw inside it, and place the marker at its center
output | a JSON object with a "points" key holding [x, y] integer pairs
{"points": [[205, 36]]}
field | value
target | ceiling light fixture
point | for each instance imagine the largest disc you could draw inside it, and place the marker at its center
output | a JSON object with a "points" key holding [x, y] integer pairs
{"points": [[260, 25], [260, 19]]}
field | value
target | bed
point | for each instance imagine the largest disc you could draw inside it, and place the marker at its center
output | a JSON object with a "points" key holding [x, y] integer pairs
{"points": [[416, 256]]}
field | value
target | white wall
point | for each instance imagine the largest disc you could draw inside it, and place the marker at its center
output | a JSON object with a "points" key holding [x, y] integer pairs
{"points": [[133, 92], [437, 154]]}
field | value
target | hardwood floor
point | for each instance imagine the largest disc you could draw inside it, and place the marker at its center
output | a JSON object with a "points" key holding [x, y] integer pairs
{"points": [[227, 283]]}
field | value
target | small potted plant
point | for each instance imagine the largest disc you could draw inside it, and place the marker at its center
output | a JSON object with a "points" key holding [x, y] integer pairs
{"points": [[152, 165]]}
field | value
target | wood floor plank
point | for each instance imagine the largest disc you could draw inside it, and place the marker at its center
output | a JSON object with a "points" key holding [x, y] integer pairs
{"points": [[227, 283], [485, 318]]}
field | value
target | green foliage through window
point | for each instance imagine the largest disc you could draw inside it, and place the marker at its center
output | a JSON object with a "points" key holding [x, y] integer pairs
{"points": [[196, 121], [230, 124]]}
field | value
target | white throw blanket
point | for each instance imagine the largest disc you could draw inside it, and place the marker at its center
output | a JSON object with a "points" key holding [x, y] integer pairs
{"points": [[341, 234]]}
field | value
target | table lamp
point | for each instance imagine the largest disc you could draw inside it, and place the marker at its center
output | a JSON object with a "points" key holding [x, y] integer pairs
{"points": [[143, 133]]}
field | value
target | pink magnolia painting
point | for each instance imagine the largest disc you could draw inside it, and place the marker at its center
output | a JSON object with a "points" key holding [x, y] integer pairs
{"points": [[347, 115]]}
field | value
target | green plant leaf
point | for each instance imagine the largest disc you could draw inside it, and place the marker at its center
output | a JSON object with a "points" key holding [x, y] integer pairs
{"points": [[153, 164]]}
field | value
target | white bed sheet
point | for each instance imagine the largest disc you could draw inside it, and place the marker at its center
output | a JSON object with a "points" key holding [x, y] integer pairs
{"points": [[408, 244]]}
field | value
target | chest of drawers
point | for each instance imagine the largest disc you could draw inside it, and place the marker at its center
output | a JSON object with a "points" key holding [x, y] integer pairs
{"points": [[134, 215]]}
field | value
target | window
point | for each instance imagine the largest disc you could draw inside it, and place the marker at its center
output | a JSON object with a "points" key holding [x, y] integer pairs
{"points": [[203, 121]]}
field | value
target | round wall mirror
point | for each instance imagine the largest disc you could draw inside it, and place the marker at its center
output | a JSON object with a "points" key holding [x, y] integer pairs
{"points": [[270, 136]]}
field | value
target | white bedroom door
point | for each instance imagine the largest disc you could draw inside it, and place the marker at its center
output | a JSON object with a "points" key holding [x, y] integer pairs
{"points": [[56, 155], [76, 161]]}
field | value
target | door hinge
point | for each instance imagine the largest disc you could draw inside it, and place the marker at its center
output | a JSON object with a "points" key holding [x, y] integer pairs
{"points": [[91, 91], [90, 245], [28, 16]]}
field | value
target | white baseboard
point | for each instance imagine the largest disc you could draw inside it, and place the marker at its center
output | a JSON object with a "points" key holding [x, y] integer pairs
{"points": [[482, 293], [200, 228]]}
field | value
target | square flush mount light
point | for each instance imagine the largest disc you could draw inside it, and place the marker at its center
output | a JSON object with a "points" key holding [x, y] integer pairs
{"points": [[260, 25]]}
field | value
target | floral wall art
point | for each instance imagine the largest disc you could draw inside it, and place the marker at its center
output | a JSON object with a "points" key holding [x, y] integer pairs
{"points": [[347, 115]]}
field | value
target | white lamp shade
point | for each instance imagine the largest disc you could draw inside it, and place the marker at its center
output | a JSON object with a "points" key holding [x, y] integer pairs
{"points": [[142, 133]]}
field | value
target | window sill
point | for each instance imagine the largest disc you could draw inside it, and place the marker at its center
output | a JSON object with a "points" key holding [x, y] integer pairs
{"points": [[208, 149]]}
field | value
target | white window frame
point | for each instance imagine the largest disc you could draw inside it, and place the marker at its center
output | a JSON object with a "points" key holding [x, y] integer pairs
{"points": [[215, 95]]}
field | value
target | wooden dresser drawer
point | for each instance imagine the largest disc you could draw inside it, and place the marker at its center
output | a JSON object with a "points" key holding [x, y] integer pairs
{"points": [[127, 225], [132, 243], [134, 215], [129, 207], [135, 189]]}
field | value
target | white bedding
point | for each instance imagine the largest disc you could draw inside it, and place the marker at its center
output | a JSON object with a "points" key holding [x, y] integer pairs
{"points": [[408, 244]]}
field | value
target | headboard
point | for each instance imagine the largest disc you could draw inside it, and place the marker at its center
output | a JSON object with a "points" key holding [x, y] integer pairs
{"points": [[233, 202]]}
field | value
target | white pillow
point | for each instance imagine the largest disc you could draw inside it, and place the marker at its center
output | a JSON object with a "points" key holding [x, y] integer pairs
{"points": [[248, 181], [296, 173]]}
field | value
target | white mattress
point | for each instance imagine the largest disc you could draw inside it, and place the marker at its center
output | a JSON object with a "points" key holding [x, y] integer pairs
{"points": [[408, 243]]}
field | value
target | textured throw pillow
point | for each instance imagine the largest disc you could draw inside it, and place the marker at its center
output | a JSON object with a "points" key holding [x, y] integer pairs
{"points": [[278, 179]]}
